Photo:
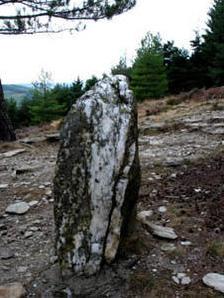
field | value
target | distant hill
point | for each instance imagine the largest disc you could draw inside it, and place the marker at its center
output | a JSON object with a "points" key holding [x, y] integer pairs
{"points": [[17, 91]]}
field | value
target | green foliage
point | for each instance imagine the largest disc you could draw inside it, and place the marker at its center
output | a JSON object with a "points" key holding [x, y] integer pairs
{"points": [[12, 111], [178, 67], [45, 108], [148, 77], [24, 114], [90, 83], [215, 249], [28, 17], [122, 68], [77, 88], [45, 104], [213, 46], [63, 95], [152, 42], [198, 68]]}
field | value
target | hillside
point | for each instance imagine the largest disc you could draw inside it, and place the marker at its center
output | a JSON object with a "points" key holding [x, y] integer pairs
{"points": [[182, 165], [16, 91]]}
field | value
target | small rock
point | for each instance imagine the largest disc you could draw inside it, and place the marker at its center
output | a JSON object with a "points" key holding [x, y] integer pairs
{"points": [[28, 234], [143, 216], [14, 290], [68, 292], [44, 200], [22, 269], [185, 280], [34, 229], [48, 193], [175, 279], [18, 208], [182, 278], [5, 268], [36, 222], [2, 186], [53, 259], [185, 243], [27, 196], [33, 140], [215, 281], [181, 275], [168, 247], [174, 175], [33, 203], [163, 232], [12, 153], [53, 137], [41, 187], [162, 209], [6, 254]]}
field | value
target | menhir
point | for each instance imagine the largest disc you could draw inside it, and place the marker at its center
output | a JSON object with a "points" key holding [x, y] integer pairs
{"points": [[97, 176]]}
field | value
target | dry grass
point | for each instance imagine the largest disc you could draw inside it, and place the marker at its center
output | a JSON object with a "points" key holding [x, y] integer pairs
{"points": [[196, 97], [215, 249], [8, 146]]}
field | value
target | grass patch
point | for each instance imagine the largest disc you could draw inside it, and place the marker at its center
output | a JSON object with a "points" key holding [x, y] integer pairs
{"points": [[33, 193], [178, 252], [173, 101], [215, 249], [171, 126], [9, 146], [143, 284]]}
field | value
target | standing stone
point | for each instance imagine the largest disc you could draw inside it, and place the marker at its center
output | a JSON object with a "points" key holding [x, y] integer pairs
{"points": [[97, 176]]}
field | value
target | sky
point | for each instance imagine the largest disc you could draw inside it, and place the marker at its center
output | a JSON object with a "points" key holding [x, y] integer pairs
{"points": [[99, 47]]}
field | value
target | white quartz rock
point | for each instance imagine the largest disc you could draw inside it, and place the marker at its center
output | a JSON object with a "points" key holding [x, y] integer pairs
{"points": [[215, 281], [18, 208]]}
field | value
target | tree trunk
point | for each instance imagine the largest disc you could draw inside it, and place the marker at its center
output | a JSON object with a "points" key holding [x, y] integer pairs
{"points": [[6, 129]]}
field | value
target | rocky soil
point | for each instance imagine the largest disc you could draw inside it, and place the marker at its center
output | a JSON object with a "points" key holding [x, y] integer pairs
{"points": [[182, 162]]}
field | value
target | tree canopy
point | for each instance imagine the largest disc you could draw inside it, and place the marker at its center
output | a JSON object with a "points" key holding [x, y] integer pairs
{"points": [[148, 76], [41, 16], [213, 46]]}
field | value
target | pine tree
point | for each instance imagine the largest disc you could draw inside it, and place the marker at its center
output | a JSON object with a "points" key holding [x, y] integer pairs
{"points": [[148, 77], [6, 129], [41, 16], [213, 46], [12, 111], [90, 83], [45, 108], [24, 114], [122, 68], [178, 68]]}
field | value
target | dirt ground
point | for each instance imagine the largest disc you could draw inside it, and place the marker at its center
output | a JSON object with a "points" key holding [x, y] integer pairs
{"points": [[182, 163]]}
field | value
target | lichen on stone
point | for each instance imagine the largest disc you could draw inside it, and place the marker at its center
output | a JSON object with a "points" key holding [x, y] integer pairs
{"points": [[97, 176]]}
